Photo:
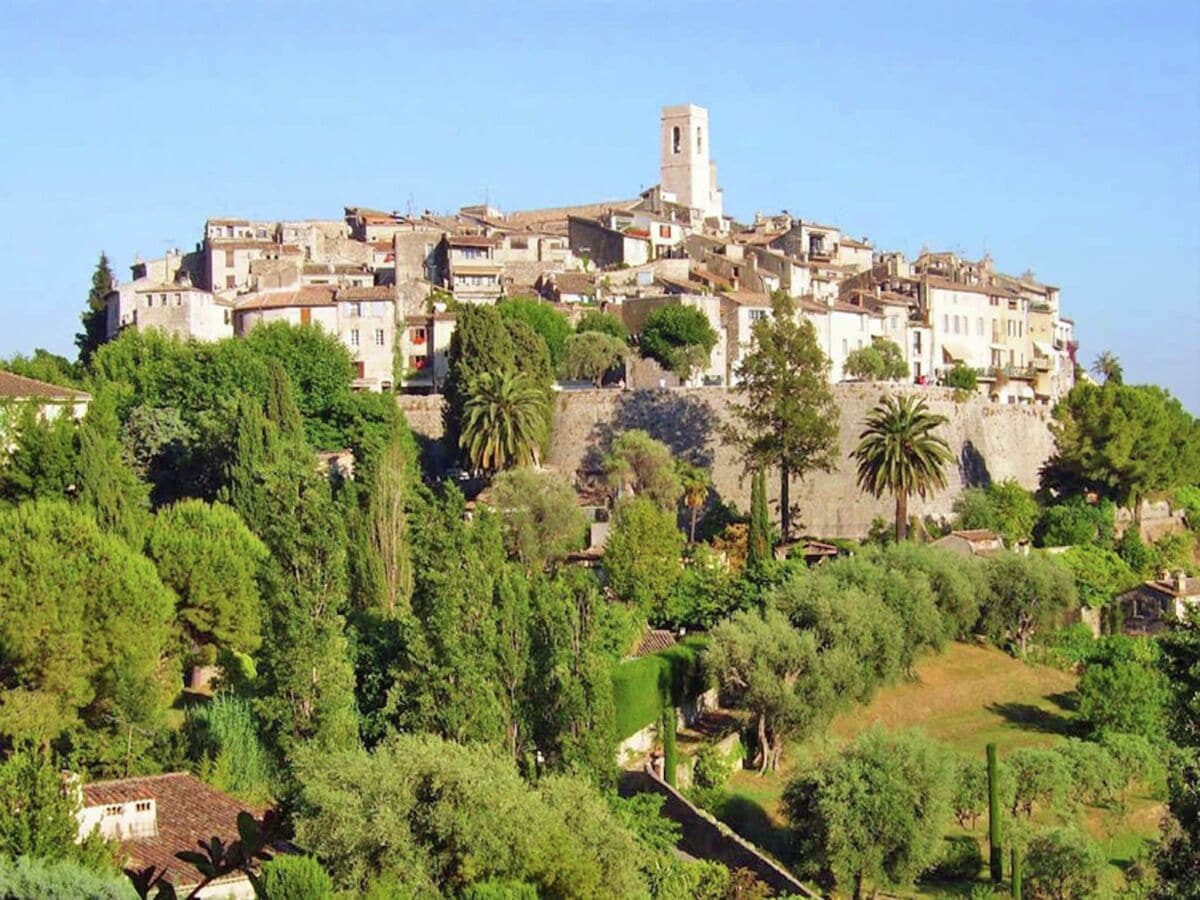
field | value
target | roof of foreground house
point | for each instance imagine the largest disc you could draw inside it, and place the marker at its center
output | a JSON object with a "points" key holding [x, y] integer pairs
{"points": [[18, 387], [188, 812]]}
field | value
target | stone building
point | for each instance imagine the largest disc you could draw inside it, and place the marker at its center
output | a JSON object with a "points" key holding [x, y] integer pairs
{"points": [[363, 318], [689, 176]]}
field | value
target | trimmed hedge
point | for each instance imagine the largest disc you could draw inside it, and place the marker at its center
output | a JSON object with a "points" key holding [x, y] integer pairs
{"points": [[640, 686]]}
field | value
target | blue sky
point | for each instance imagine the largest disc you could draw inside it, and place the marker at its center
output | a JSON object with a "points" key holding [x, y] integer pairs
{"points": [[1059, 137]]}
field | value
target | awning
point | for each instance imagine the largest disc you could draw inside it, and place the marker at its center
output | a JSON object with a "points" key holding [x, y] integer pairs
{"points": [[954, 352], [1043, 348], [998, 346]]}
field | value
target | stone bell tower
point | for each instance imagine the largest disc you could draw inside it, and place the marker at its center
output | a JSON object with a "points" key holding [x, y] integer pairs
{"points": [[687, 171]]}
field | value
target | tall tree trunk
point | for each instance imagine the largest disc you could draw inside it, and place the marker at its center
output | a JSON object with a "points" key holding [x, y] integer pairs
{"points": [[692, 530], [785, 512], [764, 746], [901, 516]]}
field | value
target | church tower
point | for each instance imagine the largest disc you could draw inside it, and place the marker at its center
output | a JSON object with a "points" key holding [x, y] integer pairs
{"points": [[687, 172]]}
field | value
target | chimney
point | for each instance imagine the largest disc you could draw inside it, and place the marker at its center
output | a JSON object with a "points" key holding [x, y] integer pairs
{"points": [[1181, 582]]}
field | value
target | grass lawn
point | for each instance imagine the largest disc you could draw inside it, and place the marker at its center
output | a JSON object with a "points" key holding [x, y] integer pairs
{"points": [[965, 698]]}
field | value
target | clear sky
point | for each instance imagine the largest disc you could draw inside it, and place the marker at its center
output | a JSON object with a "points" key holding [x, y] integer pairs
{"points": [[1059, 137]]}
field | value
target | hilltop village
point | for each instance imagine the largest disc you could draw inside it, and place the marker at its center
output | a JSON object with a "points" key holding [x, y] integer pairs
{"points": [[388, 284]]}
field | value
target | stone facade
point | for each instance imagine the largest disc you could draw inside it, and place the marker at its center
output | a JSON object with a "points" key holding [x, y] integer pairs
{"points": [[990, 441]]}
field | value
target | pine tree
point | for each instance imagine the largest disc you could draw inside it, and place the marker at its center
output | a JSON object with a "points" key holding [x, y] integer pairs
{"points": [[120, 500], [95, 316], [787, 417]]}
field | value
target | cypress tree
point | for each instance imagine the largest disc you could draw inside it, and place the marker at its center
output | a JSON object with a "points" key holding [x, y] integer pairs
{"points": [[996, 859], [120, 500], [759, 549], [480, 343], [670, 760], [280, 407], [1016, 874], [95, 315], [251, 448], [389, 530]]}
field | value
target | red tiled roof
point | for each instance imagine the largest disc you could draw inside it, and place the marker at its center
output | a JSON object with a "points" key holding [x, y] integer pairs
{"points": [[18, 387], [471, 240], [977, 535], [312, 295], [374, 292], [188, 811]]}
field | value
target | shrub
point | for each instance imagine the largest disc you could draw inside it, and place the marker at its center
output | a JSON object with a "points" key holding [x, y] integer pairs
{"points": [[961, 860], [1074, 522], [680, 338], [26, 878], [500, 890], [961, 377], [712, 767], [296, 878]]}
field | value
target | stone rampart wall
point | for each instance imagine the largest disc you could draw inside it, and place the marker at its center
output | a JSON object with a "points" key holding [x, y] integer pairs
{"points": [[991, 442]]}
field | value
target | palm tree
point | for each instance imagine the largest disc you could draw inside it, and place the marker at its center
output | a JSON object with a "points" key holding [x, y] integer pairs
{"points": [[503, 420], [696, 481], [898, 452], [1109, 367]]}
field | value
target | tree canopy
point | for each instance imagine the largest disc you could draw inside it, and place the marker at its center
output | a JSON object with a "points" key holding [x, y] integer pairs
{"points": [[680, 338]]}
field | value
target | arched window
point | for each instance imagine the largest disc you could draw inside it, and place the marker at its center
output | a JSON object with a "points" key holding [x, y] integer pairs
{"points": [[699, 140], [676, 137]]}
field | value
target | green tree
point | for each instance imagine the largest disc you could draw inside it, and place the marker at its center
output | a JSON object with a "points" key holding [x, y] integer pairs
{"points": [[1108, 367], [696, 482], [95, 314], [642, 556], [1025, 594], [390, 530], [1123, 691], [280, 407], [1122, 442], [875, 814], [37, 816], [680, 338], [43, 366], [882, 360], [1075, 521], [251, 447], [440, 817], [1132, 550], [786, 417], [961, 378], [503, 421], [1064, 864], [758, 549], [44, 462], [640, 466], [212, 562], [1042, 778], [604, 323], [900, 453], [105, 482], [545, 320], [480, 343], [1004, 507], [294, 877], [1177, 859], [85, 627], [1100, 575], [592, 355], [769, 668], [540, 516]]}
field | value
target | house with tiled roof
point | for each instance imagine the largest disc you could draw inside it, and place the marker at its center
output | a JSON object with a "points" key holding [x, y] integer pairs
{"points": [[1149, 606], [155, 817], [17, 393], [971, 542], [363, 318]]}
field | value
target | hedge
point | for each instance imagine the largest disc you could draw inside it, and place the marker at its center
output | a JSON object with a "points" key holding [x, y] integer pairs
{"points": [[641, 685]]}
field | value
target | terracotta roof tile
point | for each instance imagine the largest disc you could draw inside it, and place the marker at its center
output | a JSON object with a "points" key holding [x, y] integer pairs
{"points": [[374, 292], [19, 387], [188, 811], [311, 295], [654, 640]]}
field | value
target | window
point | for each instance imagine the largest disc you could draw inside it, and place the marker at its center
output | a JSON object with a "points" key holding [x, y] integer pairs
{"points": [[143, 806], [356, 309], [664, 231], [226, 317], [261, 233], [149, 300], [378, 337], [956, 328], [229, 259], [845, 346], [114, 810], [757, 315], [178, 300], [230, 281], [354, 337], [676, 137], [699, 140], [979, 327], [945, 323]]}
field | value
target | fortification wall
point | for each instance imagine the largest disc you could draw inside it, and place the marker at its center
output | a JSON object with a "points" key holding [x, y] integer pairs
{"points": [[991, 442]]}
